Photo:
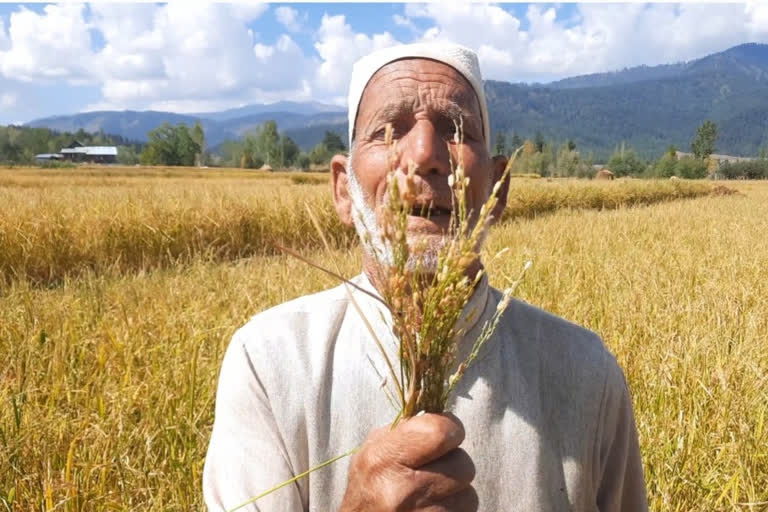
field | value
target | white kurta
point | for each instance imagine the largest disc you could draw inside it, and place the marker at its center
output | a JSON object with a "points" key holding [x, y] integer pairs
{"points": [[546, 410]]}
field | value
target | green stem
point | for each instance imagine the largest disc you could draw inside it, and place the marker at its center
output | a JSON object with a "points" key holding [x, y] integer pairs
{"points": [[288, 482]]}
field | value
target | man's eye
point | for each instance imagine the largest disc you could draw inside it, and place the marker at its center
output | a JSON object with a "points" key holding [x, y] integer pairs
{"points": [[449, 128], [381, 133]]}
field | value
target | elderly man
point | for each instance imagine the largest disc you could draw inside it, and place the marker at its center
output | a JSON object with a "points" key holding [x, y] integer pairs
{"points": [[541, 421]]}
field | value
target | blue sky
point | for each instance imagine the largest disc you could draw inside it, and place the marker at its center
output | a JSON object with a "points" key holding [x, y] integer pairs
{"points": [[192, 57]]}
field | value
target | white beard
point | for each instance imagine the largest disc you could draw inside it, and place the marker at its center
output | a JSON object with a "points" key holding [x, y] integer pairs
{"points": [[369, 232]]}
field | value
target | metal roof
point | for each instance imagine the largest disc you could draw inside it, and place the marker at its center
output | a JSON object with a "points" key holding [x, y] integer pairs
{"points": [[92, 150]]}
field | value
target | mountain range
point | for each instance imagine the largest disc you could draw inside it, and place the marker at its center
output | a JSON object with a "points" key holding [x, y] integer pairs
{"points": [[647, 107]]}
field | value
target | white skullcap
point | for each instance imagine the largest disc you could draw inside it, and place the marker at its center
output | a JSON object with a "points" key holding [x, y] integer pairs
{"points": [[458, 57]]}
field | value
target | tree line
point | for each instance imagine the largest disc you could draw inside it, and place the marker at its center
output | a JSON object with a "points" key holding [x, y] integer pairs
{"points": [[20, 144], [173, 145], [266, 146], [260, 147], [551, 159]]}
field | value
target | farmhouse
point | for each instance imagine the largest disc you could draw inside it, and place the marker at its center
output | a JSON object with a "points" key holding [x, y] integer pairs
{"points": [[47, 157], [76, 152]]}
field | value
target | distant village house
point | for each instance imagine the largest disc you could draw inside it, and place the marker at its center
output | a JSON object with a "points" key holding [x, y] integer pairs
{"points": [[76, 152]]}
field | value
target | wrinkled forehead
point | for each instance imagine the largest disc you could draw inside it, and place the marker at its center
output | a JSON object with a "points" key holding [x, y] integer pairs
{"points": [[397, 85]]}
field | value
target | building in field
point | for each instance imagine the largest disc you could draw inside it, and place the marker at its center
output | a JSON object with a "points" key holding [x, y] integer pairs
{"points": [[49, 157], [76, 152]]}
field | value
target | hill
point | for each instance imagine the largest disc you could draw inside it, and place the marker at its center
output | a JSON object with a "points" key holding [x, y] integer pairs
{"points": [[304, 108], [750, 59], [648, 107], [306, 123]]}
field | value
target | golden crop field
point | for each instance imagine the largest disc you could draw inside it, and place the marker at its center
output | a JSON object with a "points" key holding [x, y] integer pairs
{"points": [[119, 291]]}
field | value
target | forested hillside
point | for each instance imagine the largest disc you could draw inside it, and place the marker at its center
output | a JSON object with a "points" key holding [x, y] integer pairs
{"points": [[648, 108]]}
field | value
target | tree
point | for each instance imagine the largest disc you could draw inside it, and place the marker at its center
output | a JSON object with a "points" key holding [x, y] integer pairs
{"points": [[625, 162], [170, 145], [231, 153], [692, 168], [289, 151], [9, 151], [515, 142], [501, 144], [535, 162], [267, 143], [704, 143], [303, 161], [320, 154], [333, 143], [260, 146], [263, 145], [126, 155], [672, 150], [161, 148], [666, 166], [199, 137], [569, 162], [539, 142]]}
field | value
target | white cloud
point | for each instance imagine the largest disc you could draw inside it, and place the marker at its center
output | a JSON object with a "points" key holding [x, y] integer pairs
{"points": [[758, 18], [282, 64], [612, 37], [247, 12], [199, 56], [339, 47], [601, 37], [54, 45], [403, 21], [290, 18], [188, 56], [192, 57]]}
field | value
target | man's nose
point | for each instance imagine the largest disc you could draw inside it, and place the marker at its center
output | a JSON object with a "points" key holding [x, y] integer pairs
{"points": [[427, 149]]}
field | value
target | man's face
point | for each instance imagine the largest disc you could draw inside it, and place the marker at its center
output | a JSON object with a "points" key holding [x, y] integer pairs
{"points": [[423, 100]]}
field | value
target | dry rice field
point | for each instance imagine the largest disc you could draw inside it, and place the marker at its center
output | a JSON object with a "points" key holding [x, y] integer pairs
{"points": [[120, 288]]}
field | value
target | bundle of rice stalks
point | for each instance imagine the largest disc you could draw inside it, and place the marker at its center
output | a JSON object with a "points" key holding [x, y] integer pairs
{"points": [[426, 305]]}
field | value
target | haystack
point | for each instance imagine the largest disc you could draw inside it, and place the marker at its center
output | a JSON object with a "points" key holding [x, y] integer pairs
{"points": [[604, 174]]}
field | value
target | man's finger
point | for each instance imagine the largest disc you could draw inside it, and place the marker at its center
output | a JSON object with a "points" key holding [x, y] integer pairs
{"points": [[423, 439], [455, 465], [446, 476]]}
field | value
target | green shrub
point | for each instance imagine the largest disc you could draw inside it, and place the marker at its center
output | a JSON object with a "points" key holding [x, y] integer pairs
{"points": [[665, 167], [751, 170], [691, 168], [626, 162]]}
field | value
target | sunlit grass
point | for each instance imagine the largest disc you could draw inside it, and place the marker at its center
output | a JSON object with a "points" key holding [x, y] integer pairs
{"points": [[60, 223], [108, 380]]}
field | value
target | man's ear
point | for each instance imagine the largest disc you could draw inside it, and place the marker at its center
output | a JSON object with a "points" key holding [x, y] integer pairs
{"points": [[499, 164], [340, 184]]}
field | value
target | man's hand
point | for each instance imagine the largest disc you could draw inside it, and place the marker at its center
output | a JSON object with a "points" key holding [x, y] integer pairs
{"points": [[415, 466]]}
